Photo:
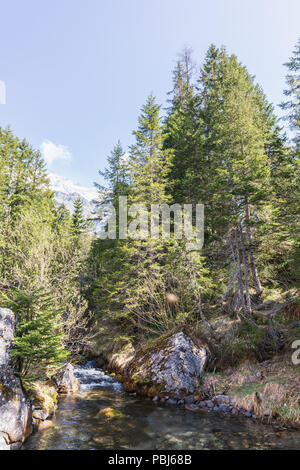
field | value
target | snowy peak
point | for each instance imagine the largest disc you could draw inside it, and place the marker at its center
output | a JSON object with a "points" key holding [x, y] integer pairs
{"points": [[66, 192], [64, 185]]}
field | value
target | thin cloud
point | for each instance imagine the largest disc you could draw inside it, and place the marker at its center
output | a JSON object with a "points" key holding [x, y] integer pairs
{"points": [[52, 152]]}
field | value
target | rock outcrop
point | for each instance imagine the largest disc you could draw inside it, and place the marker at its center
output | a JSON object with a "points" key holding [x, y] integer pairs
{"points": [[65, 380], [15, 409], [173, 367]]}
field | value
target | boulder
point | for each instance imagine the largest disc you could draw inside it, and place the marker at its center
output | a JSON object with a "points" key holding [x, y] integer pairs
{"points": [[65, 380], [221, 400], [172, 366], [15, 408], [40, 414]]}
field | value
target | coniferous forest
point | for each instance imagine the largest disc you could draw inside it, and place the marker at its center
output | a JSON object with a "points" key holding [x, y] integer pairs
{"points": [[77, 295]]}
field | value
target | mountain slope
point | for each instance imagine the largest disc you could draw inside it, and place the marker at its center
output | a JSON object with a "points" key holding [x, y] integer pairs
{"points": [[66, 192]]}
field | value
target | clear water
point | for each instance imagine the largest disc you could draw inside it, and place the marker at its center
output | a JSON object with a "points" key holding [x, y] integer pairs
{"points": [[147, 425]]}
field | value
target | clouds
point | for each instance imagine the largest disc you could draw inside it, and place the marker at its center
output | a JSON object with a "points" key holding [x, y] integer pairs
{"points": [[52, 152]]}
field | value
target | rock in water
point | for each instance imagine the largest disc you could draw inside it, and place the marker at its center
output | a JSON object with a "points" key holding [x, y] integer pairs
{"points": [[15, 409], [173, 366], [110, 413], [65, 380]]}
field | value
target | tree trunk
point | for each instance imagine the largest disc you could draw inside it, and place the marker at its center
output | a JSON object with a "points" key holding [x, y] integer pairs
{"points": [[240, 277], [248, 301], [257, 284]]}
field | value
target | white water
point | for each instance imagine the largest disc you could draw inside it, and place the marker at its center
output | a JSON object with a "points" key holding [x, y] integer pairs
{"points": [[89, 377]]}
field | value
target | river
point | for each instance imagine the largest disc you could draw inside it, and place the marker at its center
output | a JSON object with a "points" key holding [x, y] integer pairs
{"points": [[146, 425]]}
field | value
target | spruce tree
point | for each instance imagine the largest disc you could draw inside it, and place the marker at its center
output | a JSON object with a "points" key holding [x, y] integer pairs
{"points": [[292, 92], [79, 223], [37, 348], [183, 134]]}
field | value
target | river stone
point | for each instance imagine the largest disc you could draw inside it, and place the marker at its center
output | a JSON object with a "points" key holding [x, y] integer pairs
{"points": [[189, 400], [171, 401], [15, 409], [221, 400], [65, 380], [40, 414], [224, 408], [209, 404], [191, 407], [174, 366]]}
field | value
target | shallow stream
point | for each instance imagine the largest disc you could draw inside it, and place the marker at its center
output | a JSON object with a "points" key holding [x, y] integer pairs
{"points": [[146, 425]]}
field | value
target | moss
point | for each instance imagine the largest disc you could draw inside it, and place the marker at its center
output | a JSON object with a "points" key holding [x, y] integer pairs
{"points": [[138, 381], [110, 413], [42, 394], [7, 392]]}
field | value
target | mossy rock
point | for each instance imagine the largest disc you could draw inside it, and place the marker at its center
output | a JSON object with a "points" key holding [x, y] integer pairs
{"points": [[110, 413], [7, 392]]}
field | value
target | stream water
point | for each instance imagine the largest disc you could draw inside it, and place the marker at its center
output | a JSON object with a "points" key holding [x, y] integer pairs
{"points": [[146, 425]]}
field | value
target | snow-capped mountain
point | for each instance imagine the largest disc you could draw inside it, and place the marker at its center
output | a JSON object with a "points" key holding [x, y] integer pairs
{"points": [[66, 192]]}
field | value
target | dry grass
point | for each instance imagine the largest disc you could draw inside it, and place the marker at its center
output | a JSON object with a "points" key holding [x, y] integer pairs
{"points": [[270, 390]]}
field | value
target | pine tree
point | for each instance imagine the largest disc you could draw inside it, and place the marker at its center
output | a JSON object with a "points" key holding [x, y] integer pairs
{"points": [[292, 105], [149, 162], [37, 349], [116, 174], [79, 223], [134, 276], [238, 126], [183, 134]]}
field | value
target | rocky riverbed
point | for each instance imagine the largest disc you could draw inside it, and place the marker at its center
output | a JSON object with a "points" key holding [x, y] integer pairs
{"points": [[101, 415]]}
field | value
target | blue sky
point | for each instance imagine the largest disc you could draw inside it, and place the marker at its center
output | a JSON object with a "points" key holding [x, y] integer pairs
{"points": [[77, 72]]}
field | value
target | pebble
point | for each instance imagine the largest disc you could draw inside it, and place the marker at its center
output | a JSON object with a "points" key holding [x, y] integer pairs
{"points": [[172, 402], [190, 404], [224, 408], [191, 407], [189, 400]]}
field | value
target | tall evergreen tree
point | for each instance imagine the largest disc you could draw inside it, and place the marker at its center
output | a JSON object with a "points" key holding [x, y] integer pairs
{"points": [[79, 223], [149, 162], [292, 92], [183, 134], [238, 126]]}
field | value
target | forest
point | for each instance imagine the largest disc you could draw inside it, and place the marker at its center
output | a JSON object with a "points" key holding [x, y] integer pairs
{"points": [[218, 143]]}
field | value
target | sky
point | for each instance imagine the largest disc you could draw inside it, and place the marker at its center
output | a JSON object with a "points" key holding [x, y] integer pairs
{"points": [[77, 72]]}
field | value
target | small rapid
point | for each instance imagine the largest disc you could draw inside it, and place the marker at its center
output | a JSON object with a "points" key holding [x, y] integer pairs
{"points": [[78, 423], [89, 377]]}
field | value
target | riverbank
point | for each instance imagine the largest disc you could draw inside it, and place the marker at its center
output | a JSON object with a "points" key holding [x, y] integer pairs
{"points": [[82, 422], [267, 391]]}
